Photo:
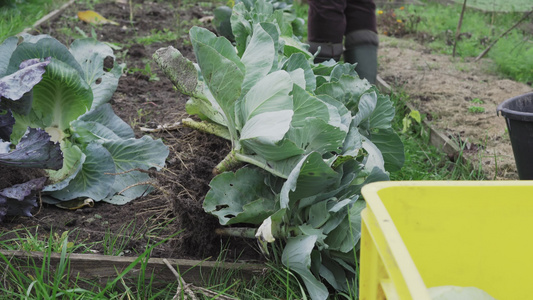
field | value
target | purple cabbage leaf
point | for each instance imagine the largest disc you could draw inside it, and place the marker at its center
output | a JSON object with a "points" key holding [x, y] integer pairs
{"points": [[35, 150], [19, 199], [16, 88]]}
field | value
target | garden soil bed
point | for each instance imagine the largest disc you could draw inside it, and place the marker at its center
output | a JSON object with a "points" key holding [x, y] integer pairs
{"points": [[438, 86], [145, 98]]}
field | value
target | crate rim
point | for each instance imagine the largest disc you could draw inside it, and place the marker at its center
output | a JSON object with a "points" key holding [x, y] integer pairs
{"points": [[373, 187]]}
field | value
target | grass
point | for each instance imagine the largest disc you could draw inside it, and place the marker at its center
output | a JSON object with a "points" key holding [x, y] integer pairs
{"points": [[15, 16], [436, 24], [28, 239], [30, 279], [275, 283], [422, 160], [499, 5], [165, 35]]}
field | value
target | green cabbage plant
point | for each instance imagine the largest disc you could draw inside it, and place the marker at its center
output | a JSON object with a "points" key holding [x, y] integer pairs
{"points": [[223, 24], [102, 158], [310, 135]]}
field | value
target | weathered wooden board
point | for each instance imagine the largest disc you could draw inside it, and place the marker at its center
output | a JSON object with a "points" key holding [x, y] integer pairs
{"points": [[49, 16], [102, 268]]}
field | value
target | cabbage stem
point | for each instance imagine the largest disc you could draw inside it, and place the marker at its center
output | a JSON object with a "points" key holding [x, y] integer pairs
{"points": [[235, 160], [247, 233], [207, 127], [260, 163], [230, 162]]}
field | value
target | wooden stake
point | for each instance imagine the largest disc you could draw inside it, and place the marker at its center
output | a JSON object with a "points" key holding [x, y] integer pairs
{"points": [[458, 31], [480, 56]]}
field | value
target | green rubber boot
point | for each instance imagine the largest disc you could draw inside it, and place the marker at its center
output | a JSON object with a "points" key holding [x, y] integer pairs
{"points": [[362, 49]]}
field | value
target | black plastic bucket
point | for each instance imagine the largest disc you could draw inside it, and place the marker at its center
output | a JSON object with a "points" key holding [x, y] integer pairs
{"points": [[518, 113]]}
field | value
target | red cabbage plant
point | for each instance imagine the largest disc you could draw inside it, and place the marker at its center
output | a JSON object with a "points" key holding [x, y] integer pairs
{"points": [[62, 95], [34, 150]]}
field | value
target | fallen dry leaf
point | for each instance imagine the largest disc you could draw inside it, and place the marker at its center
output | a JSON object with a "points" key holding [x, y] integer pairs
{"points": [[93, 17]]}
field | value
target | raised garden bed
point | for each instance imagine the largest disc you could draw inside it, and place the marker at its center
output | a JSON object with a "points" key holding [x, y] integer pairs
{"points": [[145, 98]]}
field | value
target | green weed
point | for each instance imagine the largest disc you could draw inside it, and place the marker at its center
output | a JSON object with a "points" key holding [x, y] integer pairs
{"points": [[158, 36], [422, 160], [476, 109], [147, 71], [139, 119]]}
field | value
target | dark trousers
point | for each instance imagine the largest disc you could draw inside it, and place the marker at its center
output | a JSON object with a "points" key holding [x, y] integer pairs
{"points": [[330, 20]]}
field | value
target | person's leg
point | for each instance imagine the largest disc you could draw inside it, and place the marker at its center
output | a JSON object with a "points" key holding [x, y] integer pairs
{"points": [[361, 41], [326, 26], [360, 15]]}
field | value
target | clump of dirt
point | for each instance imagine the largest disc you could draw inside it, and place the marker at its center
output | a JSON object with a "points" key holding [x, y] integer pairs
{"points": [[10, 176], [146, 98]]}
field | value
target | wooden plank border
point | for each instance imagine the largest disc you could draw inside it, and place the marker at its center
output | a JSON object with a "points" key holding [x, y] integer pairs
{"points": [[103, 268], [49, 16]]}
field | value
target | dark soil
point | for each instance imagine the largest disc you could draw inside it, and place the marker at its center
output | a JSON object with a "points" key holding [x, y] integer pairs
{"points": [[146, 98]]}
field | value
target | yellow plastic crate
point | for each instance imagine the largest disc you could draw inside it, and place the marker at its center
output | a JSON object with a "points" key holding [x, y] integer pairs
{"points": [[417, 235]]}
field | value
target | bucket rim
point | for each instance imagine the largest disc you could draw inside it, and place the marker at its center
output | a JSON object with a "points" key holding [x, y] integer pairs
{"points": [[514, 114]]}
